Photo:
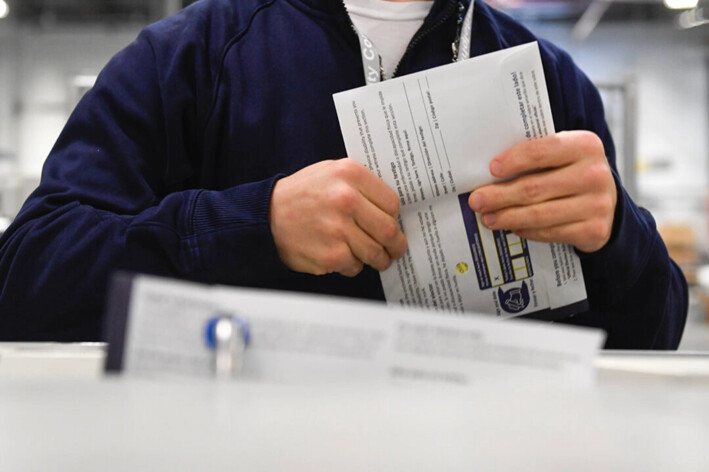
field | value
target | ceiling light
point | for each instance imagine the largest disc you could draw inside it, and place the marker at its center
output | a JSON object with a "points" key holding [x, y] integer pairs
{"points": [[691, 19], [4, 9], [681, 4]]}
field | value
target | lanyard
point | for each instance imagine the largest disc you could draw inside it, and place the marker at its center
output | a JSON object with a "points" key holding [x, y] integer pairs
{"points": [[372, 62]]}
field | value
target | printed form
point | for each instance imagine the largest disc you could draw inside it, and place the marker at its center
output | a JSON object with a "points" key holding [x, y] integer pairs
{"points": [[430, 136], [303, 338]]}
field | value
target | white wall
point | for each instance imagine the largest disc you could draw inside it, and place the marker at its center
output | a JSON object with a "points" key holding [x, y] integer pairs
{"points": [[36, 70], [8, 52], [48, 60]]}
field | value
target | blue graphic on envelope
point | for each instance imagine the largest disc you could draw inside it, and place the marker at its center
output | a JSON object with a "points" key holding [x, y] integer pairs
{"points": [[499, 256]]}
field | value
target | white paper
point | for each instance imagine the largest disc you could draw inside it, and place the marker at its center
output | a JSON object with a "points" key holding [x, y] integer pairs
{"points": [[430, 136], [299, 338]]}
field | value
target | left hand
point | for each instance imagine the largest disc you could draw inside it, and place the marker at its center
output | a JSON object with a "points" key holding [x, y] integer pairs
{"points": [[565, 193]]}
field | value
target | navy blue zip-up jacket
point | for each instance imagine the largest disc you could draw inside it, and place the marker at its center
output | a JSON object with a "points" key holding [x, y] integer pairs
{"points": [[167, 165]]}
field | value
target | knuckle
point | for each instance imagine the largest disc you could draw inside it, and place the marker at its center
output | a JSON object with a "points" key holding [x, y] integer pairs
{"points": [[319, 271], [373, 254], [399, 249], [599, 207], [598, 174], [591, 237], [356, 269], [330, 260], [538, 148], [335, 258], [380, 260], [345, 167], [389, 231], [345, 170], [598, 231], [352, 170], [604, 206], [334, 230], [344, 197], [531, 189], [352, 269], [590, 141], [547, 234], [535, 215], [392, 203]]}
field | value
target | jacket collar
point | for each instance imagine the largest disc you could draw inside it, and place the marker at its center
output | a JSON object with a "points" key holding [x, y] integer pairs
{"points": [[336, 6]]}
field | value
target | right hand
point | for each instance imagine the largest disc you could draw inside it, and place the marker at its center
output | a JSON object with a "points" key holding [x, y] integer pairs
{"points": [[335, 216]]}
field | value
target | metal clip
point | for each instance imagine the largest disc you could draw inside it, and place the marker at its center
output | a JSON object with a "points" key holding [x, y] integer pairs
{"points": [[228, 337]]}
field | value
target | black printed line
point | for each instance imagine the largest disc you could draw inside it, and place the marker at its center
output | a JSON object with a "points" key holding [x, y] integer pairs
{"points": [[418, 139]]}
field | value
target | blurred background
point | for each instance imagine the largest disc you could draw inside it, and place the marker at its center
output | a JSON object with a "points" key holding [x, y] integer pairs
{"points": [[649, 58]]}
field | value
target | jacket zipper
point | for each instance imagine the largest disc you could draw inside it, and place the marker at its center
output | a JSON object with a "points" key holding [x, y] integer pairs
{"points": [[418, 37], [421, 34]]}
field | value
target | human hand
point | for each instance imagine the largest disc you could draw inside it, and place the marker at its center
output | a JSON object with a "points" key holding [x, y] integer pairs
{"points": [[335, 216], [570, 196]]}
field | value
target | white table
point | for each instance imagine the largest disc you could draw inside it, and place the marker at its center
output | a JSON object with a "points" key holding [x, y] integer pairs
{"points": [[630, 420]]}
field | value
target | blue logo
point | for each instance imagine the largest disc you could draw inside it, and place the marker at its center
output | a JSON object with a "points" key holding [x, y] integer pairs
{"points": [[515, 299]]}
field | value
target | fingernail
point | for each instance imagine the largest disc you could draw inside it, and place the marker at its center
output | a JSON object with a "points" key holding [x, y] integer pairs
{"points": [[476, 203], [489, 219], [496, 168]]}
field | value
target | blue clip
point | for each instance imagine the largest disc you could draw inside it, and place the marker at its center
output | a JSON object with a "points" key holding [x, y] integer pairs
{"points": [[210, 329], [228, 336]]}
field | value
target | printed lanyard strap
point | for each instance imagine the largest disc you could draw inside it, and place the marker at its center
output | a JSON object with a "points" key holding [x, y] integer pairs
{"points": [[372, 61]]}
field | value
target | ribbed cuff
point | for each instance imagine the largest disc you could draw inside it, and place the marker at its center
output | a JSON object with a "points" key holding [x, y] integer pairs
{"points": [[231, 234]]}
